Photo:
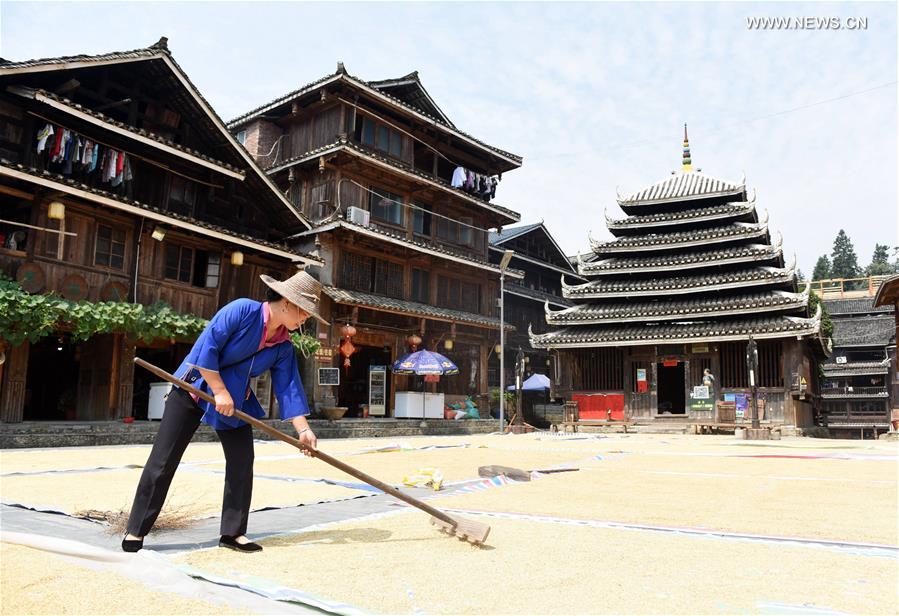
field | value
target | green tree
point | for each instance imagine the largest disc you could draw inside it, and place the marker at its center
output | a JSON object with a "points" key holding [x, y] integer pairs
{"points": [[880, 262], [822, 268], [844, 262]]}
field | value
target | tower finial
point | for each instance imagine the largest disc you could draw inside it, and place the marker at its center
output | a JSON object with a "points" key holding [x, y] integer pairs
{"points": [[688, 163]]}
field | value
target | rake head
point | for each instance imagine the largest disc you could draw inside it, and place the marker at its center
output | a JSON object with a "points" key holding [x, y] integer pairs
{"points": [[466, 530]]}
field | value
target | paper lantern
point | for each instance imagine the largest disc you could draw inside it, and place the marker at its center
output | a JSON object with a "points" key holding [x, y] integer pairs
{"points": [[237, 258], [57, 211]]}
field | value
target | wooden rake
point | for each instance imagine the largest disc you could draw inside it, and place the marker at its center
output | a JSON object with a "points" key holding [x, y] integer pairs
{"points": [[467, 530]]}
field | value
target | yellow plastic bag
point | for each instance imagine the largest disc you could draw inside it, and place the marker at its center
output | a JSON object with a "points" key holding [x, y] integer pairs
{"points": [[425, 477]]}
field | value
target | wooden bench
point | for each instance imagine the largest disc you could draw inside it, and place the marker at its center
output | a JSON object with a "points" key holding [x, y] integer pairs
{"points": [[574, 425], [707, 427]]}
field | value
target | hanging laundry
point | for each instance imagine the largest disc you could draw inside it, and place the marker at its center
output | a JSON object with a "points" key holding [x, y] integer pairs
{"points": [[42, 137], [458, 177]]}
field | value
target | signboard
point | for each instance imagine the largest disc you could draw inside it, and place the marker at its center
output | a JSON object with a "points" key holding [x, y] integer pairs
{"points": [[700, 399], [670, 363], [742, 404], [841, 359], [377, 390], [329, 376], [700, 348], [642, 383], [324, 355]]}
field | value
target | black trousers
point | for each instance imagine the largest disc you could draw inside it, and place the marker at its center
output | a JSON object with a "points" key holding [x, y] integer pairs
{"points": [[179, 422]]}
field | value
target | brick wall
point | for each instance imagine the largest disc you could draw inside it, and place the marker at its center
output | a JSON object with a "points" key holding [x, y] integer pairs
{"points": [[261, 137]]}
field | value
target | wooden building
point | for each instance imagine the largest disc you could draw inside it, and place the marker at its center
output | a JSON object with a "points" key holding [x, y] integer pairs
{"points": [[119, 183], [400, 201], [544, 263], [856, 393], [691, 274]]}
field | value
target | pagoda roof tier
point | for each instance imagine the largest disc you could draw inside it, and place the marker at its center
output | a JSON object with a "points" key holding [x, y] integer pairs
{"points": [[725, 211], [857, 368], [661, 262], [670, 310], [685, 332], [683, 186], [683, 239], [679, 285]]}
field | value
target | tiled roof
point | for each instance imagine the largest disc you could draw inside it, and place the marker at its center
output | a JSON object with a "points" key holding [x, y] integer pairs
{"points": [[66, 181], [667, 310], [864, 331], [668, 219], [679, 261], [136, 54], [540, 296], [665, 333], [127, 127], [358, 149], [857, 368], [681, 239], [860, 305], [413, 244], [361, 84], [160, 51], [507, 233], [379, 302], [713, 281], [683, 186]]}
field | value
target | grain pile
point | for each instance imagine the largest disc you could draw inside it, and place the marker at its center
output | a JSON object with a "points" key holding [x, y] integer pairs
{"points": [[200, 494], [37, 582], [539, 568]]}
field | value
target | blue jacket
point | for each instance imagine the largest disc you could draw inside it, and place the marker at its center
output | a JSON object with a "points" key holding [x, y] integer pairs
{"points": [[226, 347]]}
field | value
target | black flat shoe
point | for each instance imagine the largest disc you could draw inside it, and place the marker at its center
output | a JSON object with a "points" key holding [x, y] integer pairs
{"points": [[229, 542], [132, 545]]}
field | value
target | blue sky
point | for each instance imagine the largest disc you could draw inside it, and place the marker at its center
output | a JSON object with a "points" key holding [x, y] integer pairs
{"points": [[592, 95]]}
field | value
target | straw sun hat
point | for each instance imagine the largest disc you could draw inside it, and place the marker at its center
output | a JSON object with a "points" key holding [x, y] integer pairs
{"points": [[300, 289]]}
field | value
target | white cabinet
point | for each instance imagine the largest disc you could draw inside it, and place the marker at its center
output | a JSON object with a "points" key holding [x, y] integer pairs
{"points": [[158, 392], [412, 404]]}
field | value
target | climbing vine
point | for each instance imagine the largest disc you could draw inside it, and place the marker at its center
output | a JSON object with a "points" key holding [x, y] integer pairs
{"points": [[24, 316]]}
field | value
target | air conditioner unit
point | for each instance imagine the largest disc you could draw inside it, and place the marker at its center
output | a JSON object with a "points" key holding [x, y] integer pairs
{"points": [[358, 216]]}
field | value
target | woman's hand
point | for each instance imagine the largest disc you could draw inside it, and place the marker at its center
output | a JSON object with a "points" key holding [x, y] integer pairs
{"points": [[307, 437], [224, 404], [305, 434]]}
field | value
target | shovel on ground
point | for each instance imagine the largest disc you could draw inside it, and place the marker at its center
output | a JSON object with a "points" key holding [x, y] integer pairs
{"points": [[467, 530]]}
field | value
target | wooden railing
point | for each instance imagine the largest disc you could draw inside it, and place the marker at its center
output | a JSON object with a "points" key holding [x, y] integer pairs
{"points": [[832, 288], [854, 392]]}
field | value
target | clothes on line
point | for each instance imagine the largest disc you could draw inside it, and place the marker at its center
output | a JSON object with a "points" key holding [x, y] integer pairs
{"points": [[77, 153], [477, 184]]}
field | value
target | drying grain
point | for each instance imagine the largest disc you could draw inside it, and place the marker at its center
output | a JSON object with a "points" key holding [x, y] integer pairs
{"points": [[37, 582], [404, 566]]}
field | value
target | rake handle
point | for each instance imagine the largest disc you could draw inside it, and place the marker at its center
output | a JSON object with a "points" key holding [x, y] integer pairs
{"points": [[346, 468]]}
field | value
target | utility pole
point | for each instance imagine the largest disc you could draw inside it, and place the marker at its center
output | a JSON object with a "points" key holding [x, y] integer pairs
{"points": [[503, 264]]}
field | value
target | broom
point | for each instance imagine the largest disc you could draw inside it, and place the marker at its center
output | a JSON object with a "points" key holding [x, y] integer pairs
{"points": [[467, 530]]}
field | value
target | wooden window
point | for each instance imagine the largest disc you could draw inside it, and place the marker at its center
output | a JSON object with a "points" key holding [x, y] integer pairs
{"points": [[388, 279], [355, 271], [456, 233], [471, 297], [600, 369], [421, 220], [178, 262], [110, 248], [182, 195], [448, 292], [386, 206], [380, 136], [421, 285], [370, 275], [207, 269], [734, 372]]}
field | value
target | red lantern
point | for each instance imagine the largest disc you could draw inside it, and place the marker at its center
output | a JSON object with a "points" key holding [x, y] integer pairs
{"points": [[413, 341], [346, 347]]}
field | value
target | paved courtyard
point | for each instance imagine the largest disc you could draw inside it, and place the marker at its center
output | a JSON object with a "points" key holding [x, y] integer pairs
{"points": [[646, 524]]}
